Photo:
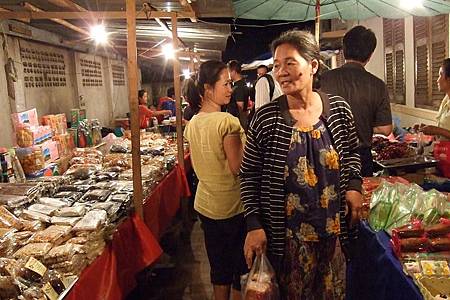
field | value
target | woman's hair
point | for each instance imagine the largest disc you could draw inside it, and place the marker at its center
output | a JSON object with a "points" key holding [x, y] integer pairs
{"points": [[446, 67], [209, 73], [141, 93], [306, 45]]}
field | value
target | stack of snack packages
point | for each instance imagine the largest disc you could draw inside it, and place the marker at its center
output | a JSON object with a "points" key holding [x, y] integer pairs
{"points": [[35, 147], [58, 124], [85, 132]]}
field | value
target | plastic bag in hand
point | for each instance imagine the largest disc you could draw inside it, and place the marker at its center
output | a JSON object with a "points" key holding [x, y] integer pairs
{"points": [[261, 283]]}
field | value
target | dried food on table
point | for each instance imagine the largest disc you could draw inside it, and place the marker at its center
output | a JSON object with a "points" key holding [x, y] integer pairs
{"points": [[67, 221], [52, 234], [121, 198], [87, 152], [55, 202], [33, 293], [8, 266], [13, 201], [84, 160], [102, 205], [55, 279], [7, 219], [93, 220], [33, 215], [440, 244], [69, 196], [74, 188], [43, 209], [8, 288], [82, 171], [34, 225], [110, 185], [37, 250], [74, 265], [81, 240], [97, 195]]}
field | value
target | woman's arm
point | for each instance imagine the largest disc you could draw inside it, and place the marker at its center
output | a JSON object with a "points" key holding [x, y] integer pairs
{"points": [[435, 130], [233, 148]]}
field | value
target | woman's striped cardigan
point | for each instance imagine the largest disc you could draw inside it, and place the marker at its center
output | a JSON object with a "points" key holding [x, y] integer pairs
{"points": [[265, 154]]}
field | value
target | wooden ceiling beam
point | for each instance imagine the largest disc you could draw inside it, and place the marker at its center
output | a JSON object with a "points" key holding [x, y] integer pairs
{"points": [[105, 15], [68, 4], [26, 20], [64, 23], [187, 4]]}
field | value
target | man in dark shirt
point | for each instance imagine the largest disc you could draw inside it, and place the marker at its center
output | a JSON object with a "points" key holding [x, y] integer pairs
{"points": [[367, 94], [238, 105]]}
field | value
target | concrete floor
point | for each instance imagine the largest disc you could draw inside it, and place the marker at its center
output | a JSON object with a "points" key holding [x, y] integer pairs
{"points": [[188, 280]]}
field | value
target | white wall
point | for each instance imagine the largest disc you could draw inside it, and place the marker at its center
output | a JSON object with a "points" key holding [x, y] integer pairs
{"points": [[408, 114]]}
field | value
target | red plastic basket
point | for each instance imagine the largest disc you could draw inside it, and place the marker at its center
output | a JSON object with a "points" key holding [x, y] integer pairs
{"points": [[441, 152]]}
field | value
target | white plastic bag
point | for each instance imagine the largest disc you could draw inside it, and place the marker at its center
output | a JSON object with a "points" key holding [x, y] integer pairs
{"points": [[261, 282]]}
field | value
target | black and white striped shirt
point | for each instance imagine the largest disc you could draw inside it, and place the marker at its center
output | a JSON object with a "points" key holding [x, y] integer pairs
{"points": [[265, 154]]}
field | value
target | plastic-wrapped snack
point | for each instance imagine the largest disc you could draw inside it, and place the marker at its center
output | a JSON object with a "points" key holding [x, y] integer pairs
{"points": [[8, 288], [102, 205], [84, 160], [43, 209], [440, 244], [33, 215], [52, 234], [54, 202], [74, 188], [80, 240], [83, 171], [22, 237], [37, 250], [97, 195], [68, 221], [55, 279], [74, 211], [414, 244], [63, 253], [88, 152], [34, 225], [439, 229], [69, 196], [31, 269], [121, 198], [7, 219], [415, 229], [84, 182], [13, 201], [110, 185], [74, 265], [8, 267], [115, 212], [33, 293], [91, 221]]}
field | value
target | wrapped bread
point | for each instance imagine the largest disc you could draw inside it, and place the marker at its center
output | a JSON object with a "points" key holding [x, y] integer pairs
{"points": [[37, 250], [8, 220], [52, 234]]}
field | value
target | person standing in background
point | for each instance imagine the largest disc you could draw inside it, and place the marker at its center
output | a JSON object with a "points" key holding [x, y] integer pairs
{"points": [[367, 94], [216, 142], [238, 105], [145, 114]]}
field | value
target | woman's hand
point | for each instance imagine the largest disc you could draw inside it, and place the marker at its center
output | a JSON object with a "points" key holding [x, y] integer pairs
{"points": [[354, 201], [255, 242]]}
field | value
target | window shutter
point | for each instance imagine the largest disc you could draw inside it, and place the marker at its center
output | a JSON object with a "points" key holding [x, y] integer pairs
{"points": [[399, 61], [439, 25], [421, 31], [388, 33], [394, 54], [431, 47]]}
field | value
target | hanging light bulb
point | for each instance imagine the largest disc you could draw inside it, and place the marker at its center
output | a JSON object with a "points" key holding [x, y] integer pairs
{"points": [[186, 73], [168, 51], [98, 34]]}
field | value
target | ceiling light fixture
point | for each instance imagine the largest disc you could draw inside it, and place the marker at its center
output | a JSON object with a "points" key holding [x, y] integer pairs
{"points": [[98, 34], [168, 51], [411, 4], [186, 73]]}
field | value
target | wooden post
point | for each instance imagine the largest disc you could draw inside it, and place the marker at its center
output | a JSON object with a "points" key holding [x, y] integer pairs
{"points": [[177, 87], [134, 106], [317, 25]]}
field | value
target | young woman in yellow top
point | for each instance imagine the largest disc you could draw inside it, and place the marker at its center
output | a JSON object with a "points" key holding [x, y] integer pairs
{"points": [[442, 130], [216, 142]]}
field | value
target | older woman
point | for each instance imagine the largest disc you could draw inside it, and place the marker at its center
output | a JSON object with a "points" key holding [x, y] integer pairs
{"points": [[442, 130], [299, 172], [216, 142]]}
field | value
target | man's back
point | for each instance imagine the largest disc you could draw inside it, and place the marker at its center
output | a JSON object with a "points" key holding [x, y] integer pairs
{"points": [[367, 95]]}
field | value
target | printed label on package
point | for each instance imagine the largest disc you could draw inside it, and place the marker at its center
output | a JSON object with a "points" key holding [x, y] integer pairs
{"points": [[36, 266], [50, 292]]}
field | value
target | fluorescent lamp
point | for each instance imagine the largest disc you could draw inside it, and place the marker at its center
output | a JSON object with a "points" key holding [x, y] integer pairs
{"points": [[411, 4], [98, 34]]}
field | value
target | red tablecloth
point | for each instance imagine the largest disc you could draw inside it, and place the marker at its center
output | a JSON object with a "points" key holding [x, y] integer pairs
{"points": [[164, 201], [112, 275]]}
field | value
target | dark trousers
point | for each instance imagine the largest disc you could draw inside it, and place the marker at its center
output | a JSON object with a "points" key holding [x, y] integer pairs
{"points": [[366, 162]]}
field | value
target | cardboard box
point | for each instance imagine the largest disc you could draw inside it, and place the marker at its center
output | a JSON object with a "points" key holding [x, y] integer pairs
{"points": [[29, 117], [58, 123]]}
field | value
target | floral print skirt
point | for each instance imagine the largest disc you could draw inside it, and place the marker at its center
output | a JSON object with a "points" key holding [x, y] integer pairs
{"points": [[306, 272]]}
